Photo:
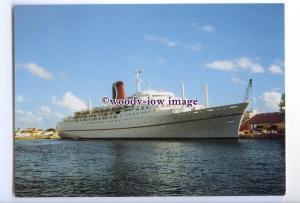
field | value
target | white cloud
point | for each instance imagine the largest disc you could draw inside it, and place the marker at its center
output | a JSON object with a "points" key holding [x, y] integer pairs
{"points": [[242, 63], [207, 28], [162, 40], [237, 80], [277, 89], [172, 44], [271, 100], [37, 70], [247, 63], [224, 65], [26, 119], [194, 47], [20, 111], [167, 42], [43, 118], [45, 111], [275, 69], [20, 98], [203, 28], [59, 115], [70, 101]]}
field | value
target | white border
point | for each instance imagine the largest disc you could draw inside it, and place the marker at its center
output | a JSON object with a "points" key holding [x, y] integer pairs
{"points": [[292, 63]]}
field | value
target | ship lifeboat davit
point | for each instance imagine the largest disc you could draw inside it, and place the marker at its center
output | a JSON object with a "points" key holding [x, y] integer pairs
{"points": [[118, 90]]}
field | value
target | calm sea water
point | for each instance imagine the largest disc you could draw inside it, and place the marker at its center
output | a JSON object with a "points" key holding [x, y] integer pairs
{"points": [[149, 167]]}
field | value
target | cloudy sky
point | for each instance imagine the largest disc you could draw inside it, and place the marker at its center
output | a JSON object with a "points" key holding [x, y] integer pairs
{"points": [[65, 54]]}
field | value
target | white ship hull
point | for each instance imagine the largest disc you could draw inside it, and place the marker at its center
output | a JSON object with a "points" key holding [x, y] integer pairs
{"points": [[217, 122]]}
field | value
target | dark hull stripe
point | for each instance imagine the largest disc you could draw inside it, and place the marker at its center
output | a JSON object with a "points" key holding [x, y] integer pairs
{"points": [[144, 126]]}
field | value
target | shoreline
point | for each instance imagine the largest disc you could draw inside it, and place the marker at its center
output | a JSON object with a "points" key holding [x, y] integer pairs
{"points": [[37, 137], [241, 136], [263, 136]]}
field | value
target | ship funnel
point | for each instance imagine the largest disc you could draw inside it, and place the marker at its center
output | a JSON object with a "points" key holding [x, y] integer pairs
{"points": [[118, 90]]}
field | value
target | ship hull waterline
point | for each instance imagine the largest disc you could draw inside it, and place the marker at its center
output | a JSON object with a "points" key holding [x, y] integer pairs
{"points": [[217, 122]]}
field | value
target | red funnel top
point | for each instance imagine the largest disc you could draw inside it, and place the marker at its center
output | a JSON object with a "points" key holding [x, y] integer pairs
{"points": [[118, 90]]}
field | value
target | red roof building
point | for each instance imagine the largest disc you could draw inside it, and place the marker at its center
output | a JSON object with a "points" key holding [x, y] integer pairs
{"points": [[265, 120]]}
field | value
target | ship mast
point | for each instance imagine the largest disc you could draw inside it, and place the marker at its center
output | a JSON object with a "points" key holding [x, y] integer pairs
{"points": [[90, 105], [138, 81], [149, 88], [182, 90], [205, 96]]}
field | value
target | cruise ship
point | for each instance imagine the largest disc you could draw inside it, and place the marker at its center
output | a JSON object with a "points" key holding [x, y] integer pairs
{"points": [[152, 121]]}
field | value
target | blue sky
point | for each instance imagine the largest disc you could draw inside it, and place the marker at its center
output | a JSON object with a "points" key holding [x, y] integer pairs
{"points": [[65, 54]]}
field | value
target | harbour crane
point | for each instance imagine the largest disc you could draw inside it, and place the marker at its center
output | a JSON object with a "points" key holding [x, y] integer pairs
{"points": [[282, 103], [248, 94]]}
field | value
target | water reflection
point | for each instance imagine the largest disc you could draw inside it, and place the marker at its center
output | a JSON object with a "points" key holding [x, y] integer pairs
{"points": [[149, 167]]}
